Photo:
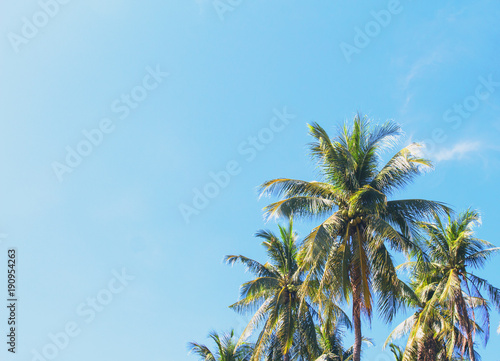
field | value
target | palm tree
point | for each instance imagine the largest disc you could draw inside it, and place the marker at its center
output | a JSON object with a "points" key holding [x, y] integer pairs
{"points": [[349, 250], [451, 252], [227, 348], [431, 334], [288, 323]]}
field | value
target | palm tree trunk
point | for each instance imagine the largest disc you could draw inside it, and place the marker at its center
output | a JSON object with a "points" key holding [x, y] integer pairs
{"points": [[286, 357], [356, 313]]}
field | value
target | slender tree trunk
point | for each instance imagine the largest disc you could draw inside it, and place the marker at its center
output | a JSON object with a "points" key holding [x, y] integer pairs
{"points": [[286, 357], [356, 313]]}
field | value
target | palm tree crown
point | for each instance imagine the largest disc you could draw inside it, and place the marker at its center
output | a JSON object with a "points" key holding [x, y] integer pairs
{"points": [[227, 348], [287, 322]]}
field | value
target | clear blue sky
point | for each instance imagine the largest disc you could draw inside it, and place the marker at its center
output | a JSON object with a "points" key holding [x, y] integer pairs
{"points": [[77, 220]]}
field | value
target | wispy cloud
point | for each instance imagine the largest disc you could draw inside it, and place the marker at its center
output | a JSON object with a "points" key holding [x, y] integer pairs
{"points": [[418, 67], [437, 49], [457, 152]]}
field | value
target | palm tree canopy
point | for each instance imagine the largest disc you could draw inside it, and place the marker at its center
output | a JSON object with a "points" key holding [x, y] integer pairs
{"points": [[227, 348], [360, 224]]}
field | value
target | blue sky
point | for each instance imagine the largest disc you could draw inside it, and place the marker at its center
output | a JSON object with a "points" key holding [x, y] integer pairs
{"points": [[432, 67]]}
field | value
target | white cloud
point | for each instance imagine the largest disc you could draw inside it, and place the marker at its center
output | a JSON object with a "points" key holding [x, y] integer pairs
{"points": [[458, 151]]}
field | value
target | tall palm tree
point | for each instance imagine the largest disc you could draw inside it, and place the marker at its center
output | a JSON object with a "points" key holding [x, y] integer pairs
{"points": [[227, 348], [452, 253], [287, 323], [349, 250]]}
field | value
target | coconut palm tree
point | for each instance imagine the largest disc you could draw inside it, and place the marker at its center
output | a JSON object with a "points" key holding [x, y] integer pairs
{"points": [[227, 348], [350, 250], [287, 323], [451, 253], [431, 334]]}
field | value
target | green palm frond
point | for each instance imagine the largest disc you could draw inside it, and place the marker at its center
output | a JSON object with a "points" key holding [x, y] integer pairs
{"points": [[401, 170], [254, 267]]}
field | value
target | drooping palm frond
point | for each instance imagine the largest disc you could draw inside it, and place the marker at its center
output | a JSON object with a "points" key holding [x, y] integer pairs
{"points": [[397, 351], [401, 170]]}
